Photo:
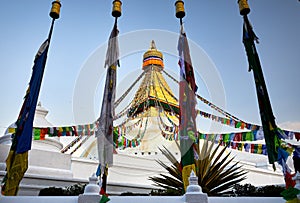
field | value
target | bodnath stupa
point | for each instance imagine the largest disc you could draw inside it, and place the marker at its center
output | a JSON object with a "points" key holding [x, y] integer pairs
{"points": [[151, 119], [148, 122]]}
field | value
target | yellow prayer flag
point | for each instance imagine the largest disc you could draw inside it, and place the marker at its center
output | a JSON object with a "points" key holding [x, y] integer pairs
{"points": [[11, 130], [259, 149], [186, 171], [16, 165]]}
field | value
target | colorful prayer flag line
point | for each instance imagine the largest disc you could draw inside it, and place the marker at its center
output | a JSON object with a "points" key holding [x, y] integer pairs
{"points": [[120, 131], [228, 121]]}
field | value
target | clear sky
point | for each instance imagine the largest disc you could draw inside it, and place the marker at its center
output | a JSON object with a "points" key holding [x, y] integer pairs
{"points": [[214, 26]]}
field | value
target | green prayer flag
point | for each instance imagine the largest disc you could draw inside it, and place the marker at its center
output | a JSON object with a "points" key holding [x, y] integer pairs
{"points": [[37, 134], [266, 114], [226, 138], [104, 199], [202, 136], [249, 136], [290, 193]]}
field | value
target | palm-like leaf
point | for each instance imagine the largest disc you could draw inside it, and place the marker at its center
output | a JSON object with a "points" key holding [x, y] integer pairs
{"points": [[174, 179], [215, 175]]}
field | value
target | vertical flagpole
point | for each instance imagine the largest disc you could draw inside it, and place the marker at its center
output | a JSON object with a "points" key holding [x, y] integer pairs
{"points": [[187, 102], [54, 14], [17, 160], [272, 134], [266, 113], [104, 133], [180, 13], [51, 30]]}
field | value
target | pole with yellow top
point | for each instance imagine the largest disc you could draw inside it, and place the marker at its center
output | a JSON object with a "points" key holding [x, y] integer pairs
{"points": [[270, 128], [266, 113], [187, 103], [17, 160], [117, 9], [180, 13], [104, 132], [54, 14]]}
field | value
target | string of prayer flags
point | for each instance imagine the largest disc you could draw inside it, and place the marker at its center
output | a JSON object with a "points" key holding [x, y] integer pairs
{"points": [[228, 121], [79, 130]]}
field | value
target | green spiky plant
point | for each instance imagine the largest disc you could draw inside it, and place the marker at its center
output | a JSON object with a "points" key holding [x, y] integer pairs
{"points": [[216, 174]]}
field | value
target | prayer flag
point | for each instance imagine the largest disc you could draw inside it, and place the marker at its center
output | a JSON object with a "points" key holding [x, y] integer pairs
{"points": [[266, 114], [17, 160], [187, 102], [104, 132]]}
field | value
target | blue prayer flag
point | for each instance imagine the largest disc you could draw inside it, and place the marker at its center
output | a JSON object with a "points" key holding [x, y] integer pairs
{"points": [[17, 160], [25, 121]]}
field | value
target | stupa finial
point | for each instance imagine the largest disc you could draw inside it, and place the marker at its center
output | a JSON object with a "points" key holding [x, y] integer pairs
{"points": [[152, 45]]}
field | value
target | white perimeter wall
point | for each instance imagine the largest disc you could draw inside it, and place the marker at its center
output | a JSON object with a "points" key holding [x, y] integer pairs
{"points": [[143, 199]]}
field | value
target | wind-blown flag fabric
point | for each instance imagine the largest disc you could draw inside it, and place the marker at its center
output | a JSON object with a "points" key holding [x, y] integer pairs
{"points": [[187, 102], [266, 114], [104, 132], [17, 160]]}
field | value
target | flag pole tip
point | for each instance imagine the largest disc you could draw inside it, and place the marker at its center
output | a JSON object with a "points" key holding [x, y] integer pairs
{"points": [[244, 7], [116, 10], [55, 10], [180, 13]]}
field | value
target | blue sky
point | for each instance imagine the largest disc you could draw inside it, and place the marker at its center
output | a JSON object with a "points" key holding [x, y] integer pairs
{"points": [[214, 26]]}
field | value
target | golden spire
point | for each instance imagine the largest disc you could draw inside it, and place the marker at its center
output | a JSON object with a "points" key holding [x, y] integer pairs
{"points": [[154, 91]]}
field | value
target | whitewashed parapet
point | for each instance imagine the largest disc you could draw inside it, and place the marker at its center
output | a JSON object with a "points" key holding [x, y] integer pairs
{"points": [[194, 194], [138, 199]]}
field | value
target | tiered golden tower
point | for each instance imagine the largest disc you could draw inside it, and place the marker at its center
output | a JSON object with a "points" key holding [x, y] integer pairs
{"points": [[154, 108], [154, 92], [151, 121]]}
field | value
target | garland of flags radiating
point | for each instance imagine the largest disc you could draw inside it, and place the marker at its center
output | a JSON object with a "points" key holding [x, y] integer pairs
{"points": [[120, 140], [168, 127]]}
